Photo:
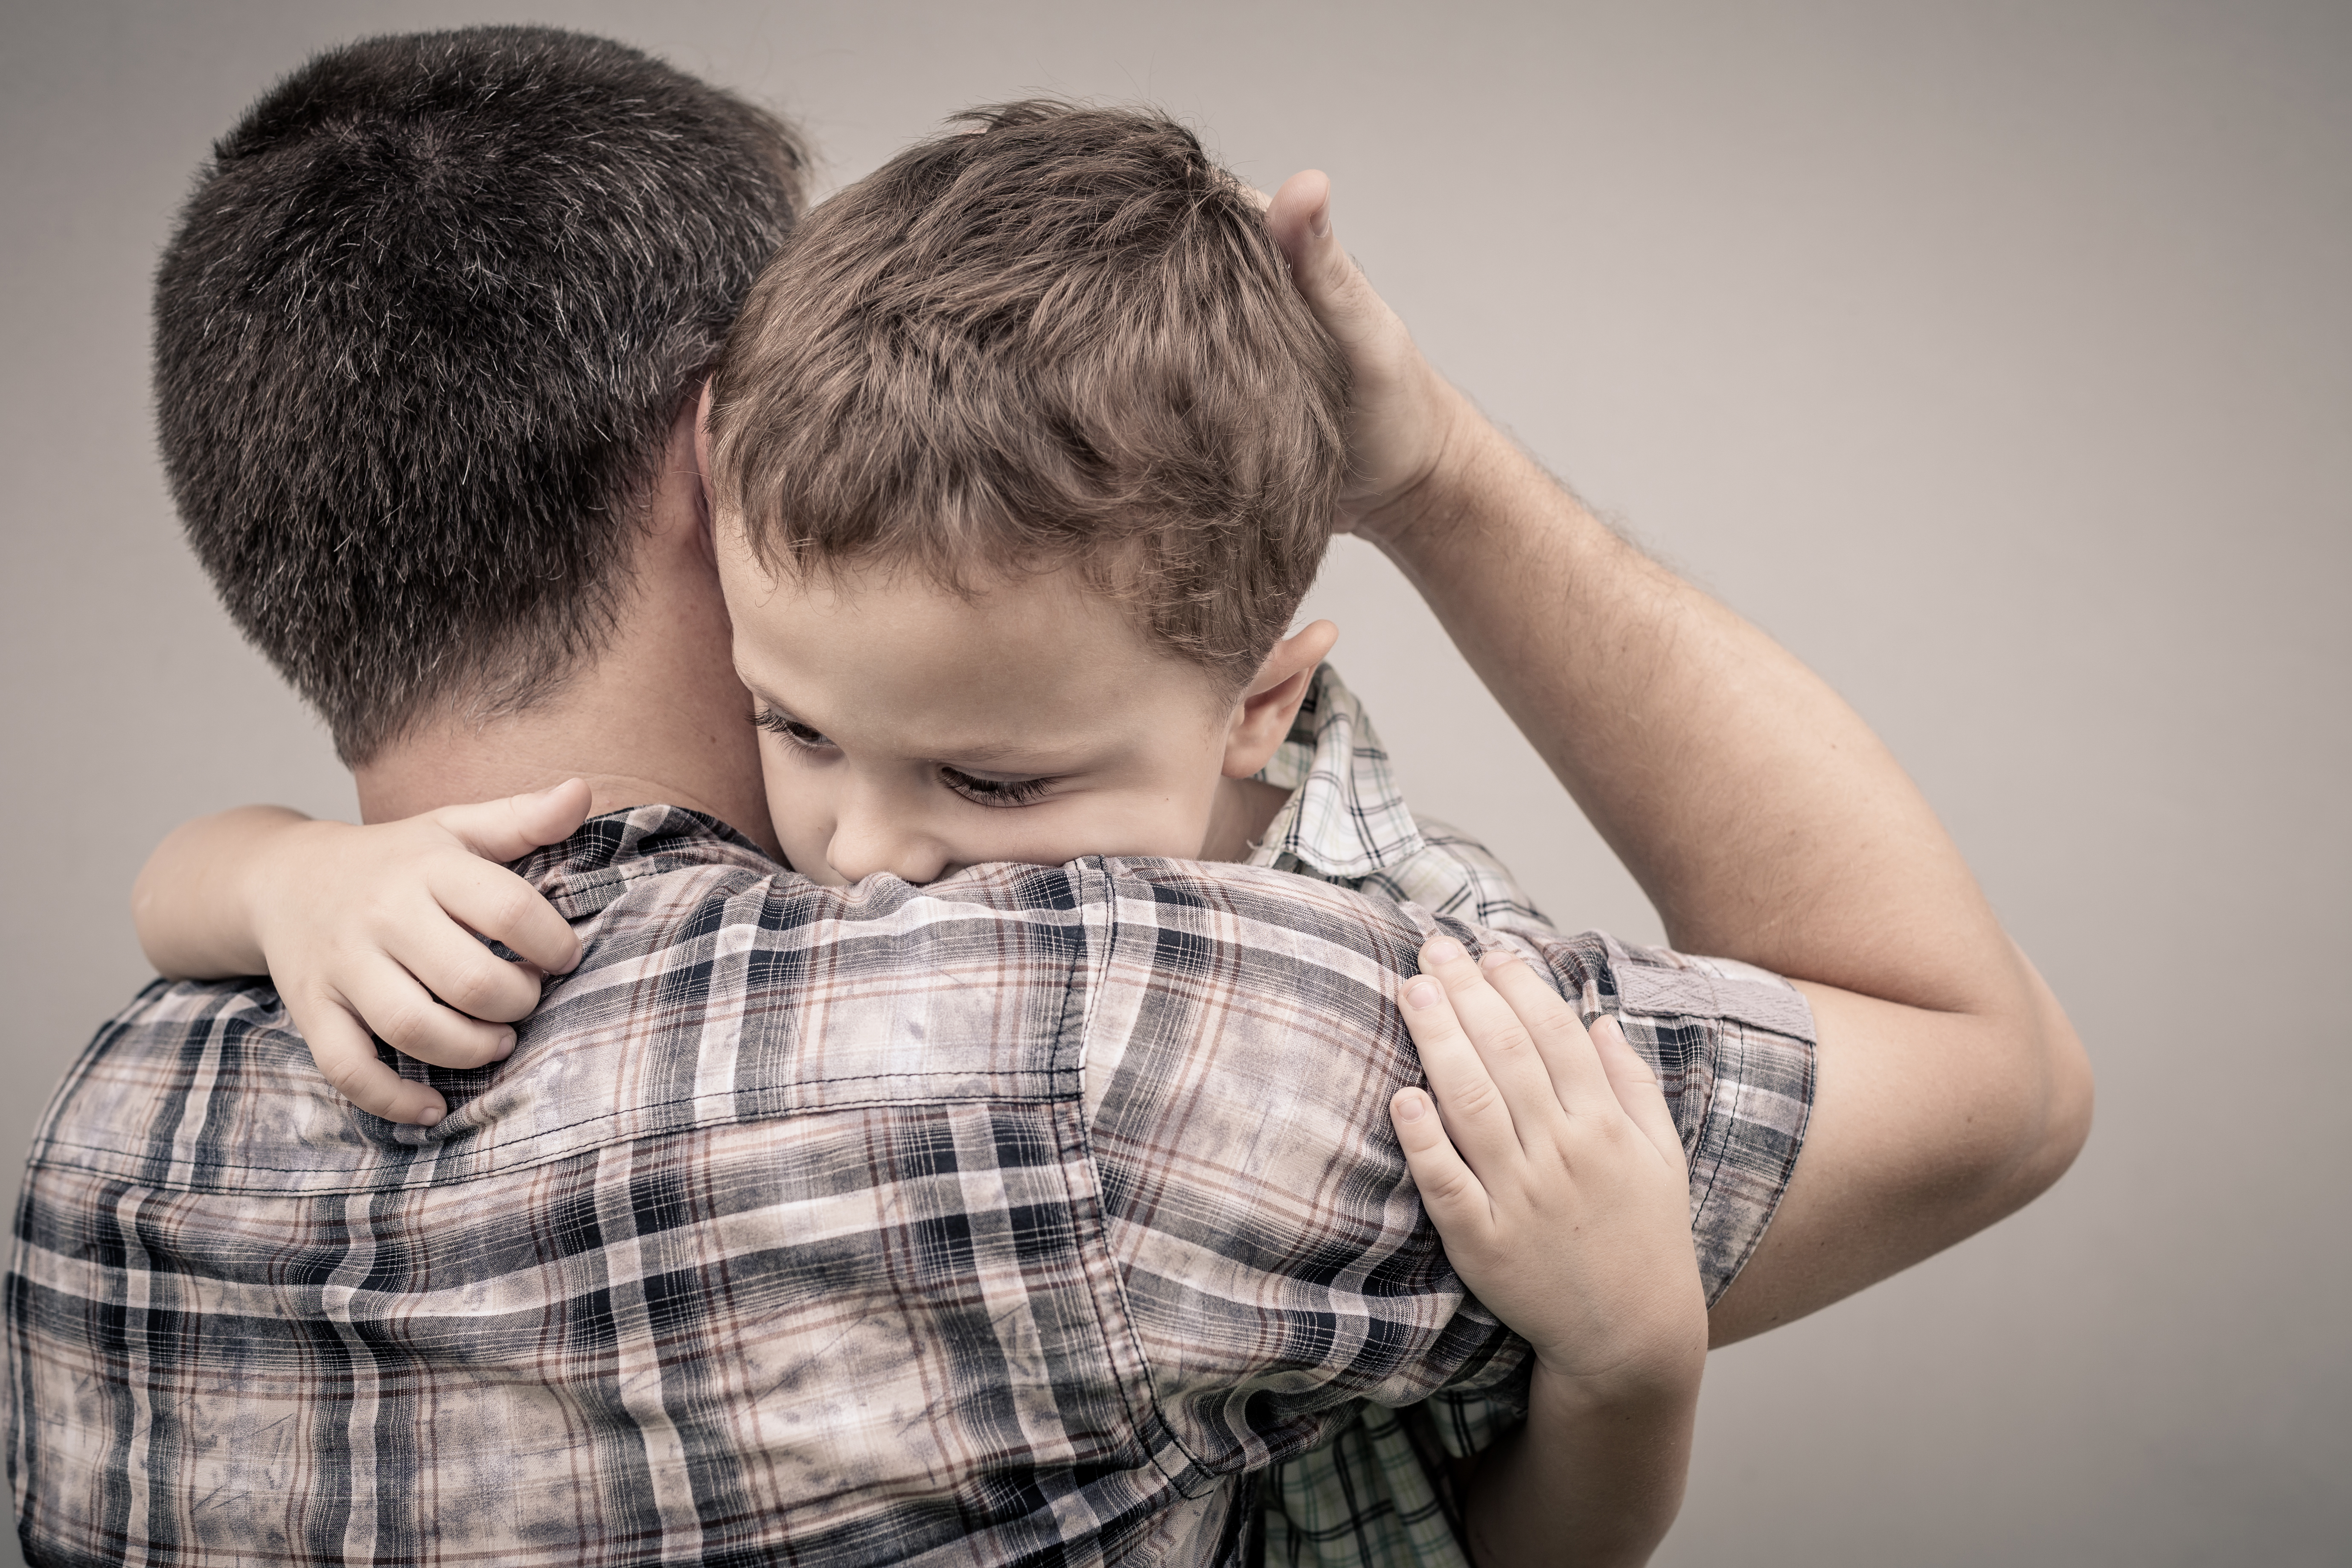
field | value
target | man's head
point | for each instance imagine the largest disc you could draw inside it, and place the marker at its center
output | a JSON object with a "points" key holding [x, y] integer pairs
{"points": [[1033, 413], [420, 339]]}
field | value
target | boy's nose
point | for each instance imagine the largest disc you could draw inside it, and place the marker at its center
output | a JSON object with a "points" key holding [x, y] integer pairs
{"points": [[865, 843]]}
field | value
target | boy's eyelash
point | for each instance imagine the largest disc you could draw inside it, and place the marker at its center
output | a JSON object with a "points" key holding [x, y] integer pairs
{"points": [[994, 791], [776, 723], [978, 791]]}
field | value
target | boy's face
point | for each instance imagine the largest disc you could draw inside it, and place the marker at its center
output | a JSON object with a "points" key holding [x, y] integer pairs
{"points": [[911, 731]]}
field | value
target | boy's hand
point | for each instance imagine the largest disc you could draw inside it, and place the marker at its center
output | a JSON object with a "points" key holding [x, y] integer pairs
{"points": [[1564, 1203], [371, 929], [1553, 1172], [1404, 421]]}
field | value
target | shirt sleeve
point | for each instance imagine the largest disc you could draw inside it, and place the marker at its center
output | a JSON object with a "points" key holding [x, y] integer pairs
{"points": [[1243, 1040], [1733, 1047]]}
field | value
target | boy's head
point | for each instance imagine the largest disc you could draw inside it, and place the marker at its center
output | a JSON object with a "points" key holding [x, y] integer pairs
{"points": [[1022, 442]]}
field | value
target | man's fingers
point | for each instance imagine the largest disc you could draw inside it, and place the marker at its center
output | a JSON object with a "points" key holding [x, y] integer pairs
{"points": [[345, 1054], [493, 900], [1300, 217], [510, 828], [1449, 1188], [1638, 1090]]}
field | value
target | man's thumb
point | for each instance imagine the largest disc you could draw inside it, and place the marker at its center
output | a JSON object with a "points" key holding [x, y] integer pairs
{"points": [[1300, 217]]}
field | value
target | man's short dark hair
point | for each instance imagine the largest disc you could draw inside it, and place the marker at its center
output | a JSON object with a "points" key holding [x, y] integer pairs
{"points": [[1060, 335], [420, 341]]}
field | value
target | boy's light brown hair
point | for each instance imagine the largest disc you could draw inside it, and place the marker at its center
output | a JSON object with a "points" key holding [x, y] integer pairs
{"points": [[1062, 337]]}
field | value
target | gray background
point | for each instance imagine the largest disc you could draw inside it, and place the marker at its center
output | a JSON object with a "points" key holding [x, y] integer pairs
{"points": [[1998, 359]]}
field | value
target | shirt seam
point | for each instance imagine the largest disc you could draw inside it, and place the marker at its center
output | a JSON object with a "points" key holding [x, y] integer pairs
{"points": [[434, 1156], [1152, 1400]]}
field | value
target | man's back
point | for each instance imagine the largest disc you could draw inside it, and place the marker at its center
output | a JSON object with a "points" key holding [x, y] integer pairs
{"points": [[1020, 1216]]}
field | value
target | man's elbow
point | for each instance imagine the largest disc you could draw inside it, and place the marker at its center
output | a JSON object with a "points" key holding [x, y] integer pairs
{"points": [[2049, 1105], [2067, 1120]]}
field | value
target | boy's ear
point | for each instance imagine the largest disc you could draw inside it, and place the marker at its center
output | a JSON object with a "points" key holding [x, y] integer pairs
{"points": [[702, 443], [1262, 718]]}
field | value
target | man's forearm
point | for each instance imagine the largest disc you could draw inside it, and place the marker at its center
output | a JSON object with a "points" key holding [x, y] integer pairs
{"points": [[1768, 824], [1761, 816]]}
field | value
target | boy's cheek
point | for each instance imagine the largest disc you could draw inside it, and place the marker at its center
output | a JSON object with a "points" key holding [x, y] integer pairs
{"points": [[793, 814]]}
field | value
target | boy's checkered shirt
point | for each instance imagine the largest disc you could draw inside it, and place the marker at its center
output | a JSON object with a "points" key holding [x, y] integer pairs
{"points": [[1023, 1217], [1378, 1489]]}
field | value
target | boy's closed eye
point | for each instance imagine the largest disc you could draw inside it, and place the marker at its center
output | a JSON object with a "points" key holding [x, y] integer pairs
{"points": [[791, 728], [981, 789]]}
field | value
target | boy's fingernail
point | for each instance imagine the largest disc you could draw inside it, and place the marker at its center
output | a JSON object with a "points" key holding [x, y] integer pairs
{"points": [[1410, 1106], [1422, 992], [506, 1045], [1496, 957], [1444, 950], [428, 1116]]}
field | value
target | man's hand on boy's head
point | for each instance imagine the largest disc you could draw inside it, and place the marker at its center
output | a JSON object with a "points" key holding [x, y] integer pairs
{"points": [[372, 931], [1404, 419]]}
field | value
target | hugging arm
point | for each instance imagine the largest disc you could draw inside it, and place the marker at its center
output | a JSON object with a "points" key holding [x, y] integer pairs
{"points": [[368, 931], [1761, 816], [1543, 1128]]}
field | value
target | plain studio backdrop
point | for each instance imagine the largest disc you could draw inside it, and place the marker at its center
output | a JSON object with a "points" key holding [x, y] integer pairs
{"points": [[1998, 359]]}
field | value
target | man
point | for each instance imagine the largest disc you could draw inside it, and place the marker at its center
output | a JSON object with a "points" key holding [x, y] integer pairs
{"points": [[1027, 1218]]}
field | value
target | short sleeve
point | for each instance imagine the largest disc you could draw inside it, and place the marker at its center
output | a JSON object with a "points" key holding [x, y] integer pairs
{"points": [[1242, 1040], [1733, 1047]]}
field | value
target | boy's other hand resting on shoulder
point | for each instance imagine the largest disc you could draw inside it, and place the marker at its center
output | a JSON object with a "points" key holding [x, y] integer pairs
{"points": [[1551, 1165], [370, 929]]}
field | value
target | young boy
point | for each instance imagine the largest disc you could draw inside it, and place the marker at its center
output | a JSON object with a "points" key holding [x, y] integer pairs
{"points": [[1021, 459]]}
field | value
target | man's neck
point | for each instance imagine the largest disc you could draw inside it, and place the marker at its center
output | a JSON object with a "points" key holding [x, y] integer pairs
{"points": [[656, 717], [636, 741]]}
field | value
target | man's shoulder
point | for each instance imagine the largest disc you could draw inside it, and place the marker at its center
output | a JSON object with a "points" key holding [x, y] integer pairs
{"points": [[147, 1100], [716, 986]]}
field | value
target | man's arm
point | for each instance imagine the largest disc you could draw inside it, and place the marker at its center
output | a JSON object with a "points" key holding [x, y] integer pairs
{"points": [[1761, 816]]}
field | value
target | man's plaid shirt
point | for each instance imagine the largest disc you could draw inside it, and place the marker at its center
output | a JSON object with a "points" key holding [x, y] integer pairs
{"points": [[1024, 1218]]}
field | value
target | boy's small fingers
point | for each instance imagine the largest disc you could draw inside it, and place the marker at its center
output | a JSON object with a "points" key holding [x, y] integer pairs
{"points": [[406, 1016], [1637, 1089], [1505, 1042], [462, 973], [1569, 1057], [1450, 1190], [1474, 1114], [346, 1056], [501, 905], [512, 827]]}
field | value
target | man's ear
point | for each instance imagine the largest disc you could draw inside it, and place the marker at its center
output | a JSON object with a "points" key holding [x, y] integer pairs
{"points": [[1262, 718]]}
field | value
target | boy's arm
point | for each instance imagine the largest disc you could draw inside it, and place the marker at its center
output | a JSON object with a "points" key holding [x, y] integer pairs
{"points": [[191, 903], [1763, 818], [1548, 1131], [368, 932]]}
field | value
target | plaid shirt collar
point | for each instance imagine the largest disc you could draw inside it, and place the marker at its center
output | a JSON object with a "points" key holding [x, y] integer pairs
{"points": [[1346, 818]]}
